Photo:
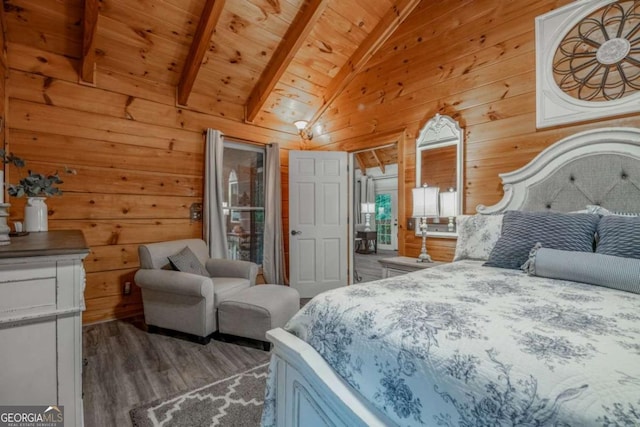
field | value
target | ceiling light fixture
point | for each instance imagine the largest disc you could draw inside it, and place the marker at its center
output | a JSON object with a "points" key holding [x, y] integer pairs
{"points": [[305, 134]]}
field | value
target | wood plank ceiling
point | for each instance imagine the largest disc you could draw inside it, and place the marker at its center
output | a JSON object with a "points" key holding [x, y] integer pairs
{"points": [[377, 157], [268, 62]]}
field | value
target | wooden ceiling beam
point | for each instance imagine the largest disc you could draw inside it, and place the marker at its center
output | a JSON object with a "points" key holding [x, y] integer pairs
{"points": [[380, 34], [377, 158], [89, 26], [361, 164], [287, 49], [201, 39]]}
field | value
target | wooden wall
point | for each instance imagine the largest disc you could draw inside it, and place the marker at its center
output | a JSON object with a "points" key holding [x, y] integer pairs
{"points": [[139, 163], [473, 60], [3, 76], [139, 158]]}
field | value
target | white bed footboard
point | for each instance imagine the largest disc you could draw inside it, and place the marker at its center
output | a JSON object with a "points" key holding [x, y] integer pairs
{"points": [[310, 393]]}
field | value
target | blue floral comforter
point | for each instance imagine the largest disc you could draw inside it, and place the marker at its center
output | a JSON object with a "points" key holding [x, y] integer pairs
{"points": [[466, 345]]}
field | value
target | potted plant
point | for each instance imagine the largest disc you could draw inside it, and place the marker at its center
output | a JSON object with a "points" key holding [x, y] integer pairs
{"points": [[36, 187]]}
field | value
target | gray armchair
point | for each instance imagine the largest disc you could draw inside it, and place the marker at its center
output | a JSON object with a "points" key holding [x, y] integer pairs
{"points": [[188, 302]]}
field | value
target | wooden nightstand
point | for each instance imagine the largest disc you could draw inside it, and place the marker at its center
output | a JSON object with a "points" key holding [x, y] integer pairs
{"points": [[367, 238], [403, 265]]}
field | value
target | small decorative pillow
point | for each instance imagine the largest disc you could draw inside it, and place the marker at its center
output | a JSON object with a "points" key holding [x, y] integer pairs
{"points": [[522, 230], [187, 262], [477, 235], [595, 269], [595, 209], [619, 236]]}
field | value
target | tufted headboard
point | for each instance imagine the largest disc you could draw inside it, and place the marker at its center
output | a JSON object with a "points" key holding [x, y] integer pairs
{"points": [[598, 167]]}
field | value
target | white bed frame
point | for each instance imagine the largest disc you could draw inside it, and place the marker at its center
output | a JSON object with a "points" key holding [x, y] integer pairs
{"points": [[310, 393]]}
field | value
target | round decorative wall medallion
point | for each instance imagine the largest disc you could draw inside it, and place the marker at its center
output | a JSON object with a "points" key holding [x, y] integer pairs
{"points": [[599, 58], [613, 51]]}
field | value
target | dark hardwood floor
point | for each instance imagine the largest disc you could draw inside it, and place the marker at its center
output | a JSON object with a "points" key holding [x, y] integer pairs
{"points": [[126, 367]]}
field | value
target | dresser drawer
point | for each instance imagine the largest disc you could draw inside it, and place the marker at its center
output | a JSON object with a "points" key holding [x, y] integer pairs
{"points": [[17, 272], [27, 289], [27, 296]]}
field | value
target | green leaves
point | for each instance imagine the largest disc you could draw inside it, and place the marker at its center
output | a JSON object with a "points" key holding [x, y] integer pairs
{"points": [[11, 158], [34, 184]]}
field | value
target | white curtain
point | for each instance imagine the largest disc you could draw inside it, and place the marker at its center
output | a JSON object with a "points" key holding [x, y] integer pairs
{"points": [[273, 266], [214, 227], [365, 193], [371, 198], [357, 209]]}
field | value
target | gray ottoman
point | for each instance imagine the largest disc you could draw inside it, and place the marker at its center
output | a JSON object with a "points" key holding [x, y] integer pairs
{"points": [[252, 312]]}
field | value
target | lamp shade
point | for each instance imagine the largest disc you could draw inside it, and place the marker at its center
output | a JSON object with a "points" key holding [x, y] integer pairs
{"points": [[368, 208], [449, 203], [425, 202]]}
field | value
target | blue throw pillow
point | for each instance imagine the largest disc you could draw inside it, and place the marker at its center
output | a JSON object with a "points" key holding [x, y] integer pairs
{"points": [[619, 236], [522, 230]]}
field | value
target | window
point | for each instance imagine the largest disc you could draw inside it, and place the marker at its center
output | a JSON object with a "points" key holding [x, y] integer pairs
{"points": [[244, 200], [383, 218]]}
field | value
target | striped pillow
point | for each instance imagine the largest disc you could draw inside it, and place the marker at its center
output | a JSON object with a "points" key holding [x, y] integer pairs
{"points": [[522, 230], [619, 236], [595, 269]]}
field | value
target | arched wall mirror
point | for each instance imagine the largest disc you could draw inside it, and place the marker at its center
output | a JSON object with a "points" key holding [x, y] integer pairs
{"points": [[439, 163]]}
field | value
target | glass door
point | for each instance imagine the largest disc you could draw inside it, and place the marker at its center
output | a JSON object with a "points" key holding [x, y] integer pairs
{"points": [[387, 219]]}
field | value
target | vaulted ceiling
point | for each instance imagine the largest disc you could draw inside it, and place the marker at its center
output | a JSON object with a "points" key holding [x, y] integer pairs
{"points": [[267, 62], [380, 157]]}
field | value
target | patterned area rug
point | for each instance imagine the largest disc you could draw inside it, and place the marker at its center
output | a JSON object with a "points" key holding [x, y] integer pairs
{"points": [[233, 401]]}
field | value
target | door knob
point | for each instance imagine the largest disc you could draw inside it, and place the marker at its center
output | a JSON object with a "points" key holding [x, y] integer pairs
{"points": [[294, 232]]}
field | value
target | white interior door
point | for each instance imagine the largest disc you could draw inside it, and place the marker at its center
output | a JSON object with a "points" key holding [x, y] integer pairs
{"points": [[318, 229]]}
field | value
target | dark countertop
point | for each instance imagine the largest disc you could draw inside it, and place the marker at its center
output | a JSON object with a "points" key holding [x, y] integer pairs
{"points": [[58, 242]]}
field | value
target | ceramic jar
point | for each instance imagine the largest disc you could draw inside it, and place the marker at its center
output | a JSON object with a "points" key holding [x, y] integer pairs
{"points": [[35, 214]]}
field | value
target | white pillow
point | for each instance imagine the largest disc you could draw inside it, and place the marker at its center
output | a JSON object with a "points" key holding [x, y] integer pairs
{"points": [[477, 235]]}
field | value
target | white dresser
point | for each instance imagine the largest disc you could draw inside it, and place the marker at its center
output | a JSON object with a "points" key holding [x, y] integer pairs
{"points": [[402, 265], [41, 303]]}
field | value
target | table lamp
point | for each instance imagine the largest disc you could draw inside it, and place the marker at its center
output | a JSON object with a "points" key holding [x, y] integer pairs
{"points": [[367, 209], [448, 206], [425, 205]]}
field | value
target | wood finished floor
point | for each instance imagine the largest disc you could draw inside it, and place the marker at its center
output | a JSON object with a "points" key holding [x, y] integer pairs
{"points": [[126, 367], [368, 267]]}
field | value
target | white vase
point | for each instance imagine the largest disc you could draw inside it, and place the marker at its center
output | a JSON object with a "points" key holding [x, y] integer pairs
{"points": [[35, 214]]}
